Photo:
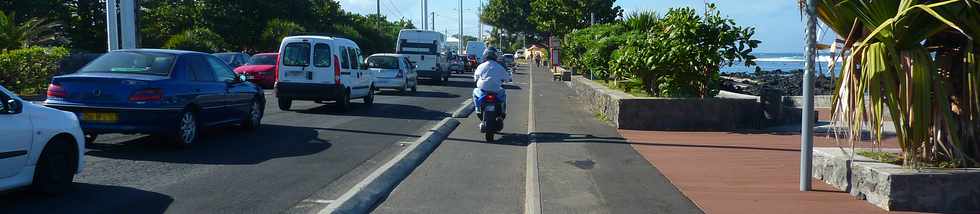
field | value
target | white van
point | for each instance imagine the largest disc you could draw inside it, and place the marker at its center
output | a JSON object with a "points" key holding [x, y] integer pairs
{"points": [[476, 48], [424, 48], [320, 68]]}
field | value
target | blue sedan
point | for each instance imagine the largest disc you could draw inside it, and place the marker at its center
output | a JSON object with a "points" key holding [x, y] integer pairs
{"points": [[159, 92]]}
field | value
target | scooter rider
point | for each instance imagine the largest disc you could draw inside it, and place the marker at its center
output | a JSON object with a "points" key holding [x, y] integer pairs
{"points": [[490, 77]]}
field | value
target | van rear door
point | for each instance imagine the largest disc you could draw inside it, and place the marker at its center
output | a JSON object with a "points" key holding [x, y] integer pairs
{"points": [[294, 62]]}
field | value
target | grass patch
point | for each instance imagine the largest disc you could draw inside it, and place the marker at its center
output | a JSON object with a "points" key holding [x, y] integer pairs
{"points": [[893, 158], [884, 157]]}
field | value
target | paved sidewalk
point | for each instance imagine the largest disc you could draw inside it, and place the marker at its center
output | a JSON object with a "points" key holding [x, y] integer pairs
{"points": [[742, 172], [585, 166]]}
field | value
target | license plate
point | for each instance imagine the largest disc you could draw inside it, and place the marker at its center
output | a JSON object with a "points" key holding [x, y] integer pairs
{"points": [[294, 73], [491, 108], [101, 117]]}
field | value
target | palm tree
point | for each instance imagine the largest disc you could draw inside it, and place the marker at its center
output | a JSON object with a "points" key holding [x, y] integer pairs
{"points": [[34, 31], [916, 60]]}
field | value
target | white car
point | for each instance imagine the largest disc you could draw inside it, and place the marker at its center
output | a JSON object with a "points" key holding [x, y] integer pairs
{"points": [[41, 147], [393, 71], [320, 68]]}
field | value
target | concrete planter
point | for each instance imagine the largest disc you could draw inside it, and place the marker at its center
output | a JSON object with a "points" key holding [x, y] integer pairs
{"points": [[894, 188], [641, 113]]}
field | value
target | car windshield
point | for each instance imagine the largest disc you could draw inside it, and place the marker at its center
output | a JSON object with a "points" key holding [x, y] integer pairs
{"points": [[227, 57], [264, 59], [383, 62], [132, 63]]}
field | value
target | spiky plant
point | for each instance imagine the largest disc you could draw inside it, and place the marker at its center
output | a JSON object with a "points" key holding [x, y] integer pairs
{"points": [[916, 61]]}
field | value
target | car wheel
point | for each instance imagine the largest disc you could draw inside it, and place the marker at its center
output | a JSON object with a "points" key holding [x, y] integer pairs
{"points": [[254, 117], [90, 138], [285, 104], [187, 129], [55, 168], [369, 99], [343, 104]]}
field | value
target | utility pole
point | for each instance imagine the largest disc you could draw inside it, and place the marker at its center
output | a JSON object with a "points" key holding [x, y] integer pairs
{"points": [[121, 24], [433, 21], [462, 41], [379, 15], [478, 21], [425, 18]]}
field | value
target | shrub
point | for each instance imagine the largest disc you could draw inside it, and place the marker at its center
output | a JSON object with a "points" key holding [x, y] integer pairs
{"points": [[197, 39], [676, 55], [28, 71]]}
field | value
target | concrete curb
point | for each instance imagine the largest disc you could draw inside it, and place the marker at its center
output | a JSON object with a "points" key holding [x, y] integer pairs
{"points": [[465, 110], [365, 195]]}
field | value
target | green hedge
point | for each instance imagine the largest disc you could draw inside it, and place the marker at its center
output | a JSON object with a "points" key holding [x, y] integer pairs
{"points": [[28, 71], [197, 39], [678, 54]]}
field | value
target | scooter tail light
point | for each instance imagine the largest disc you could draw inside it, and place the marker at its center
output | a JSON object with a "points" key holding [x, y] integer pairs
{"points": [[490, 98]]}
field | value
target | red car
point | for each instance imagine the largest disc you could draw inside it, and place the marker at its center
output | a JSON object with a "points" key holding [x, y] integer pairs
{"points": [[261, 69]]}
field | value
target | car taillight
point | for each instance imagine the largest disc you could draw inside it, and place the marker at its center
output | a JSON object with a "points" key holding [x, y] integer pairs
{"points": [[150, 94], [400, 74], [336, 70], [490, 98], [55, 90]]}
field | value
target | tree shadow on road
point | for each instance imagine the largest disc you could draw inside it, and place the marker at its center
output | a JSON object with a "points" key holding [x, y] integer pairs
{"points": [[226, 145], [87, 198]]}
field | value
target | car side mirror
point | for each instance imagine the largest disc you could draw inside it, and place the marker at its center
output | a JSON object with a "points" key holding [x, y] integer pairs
{"points": [[13, 106]]}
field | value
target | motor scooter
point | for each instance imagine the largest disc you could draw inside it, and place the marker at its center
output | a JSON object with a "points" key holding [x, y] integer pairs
{"points": [[491, 113]]}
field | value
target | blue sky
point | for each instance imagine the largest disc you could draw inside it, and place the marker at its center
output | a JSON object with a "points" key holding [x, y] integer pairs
{"points": [[778, 23]]}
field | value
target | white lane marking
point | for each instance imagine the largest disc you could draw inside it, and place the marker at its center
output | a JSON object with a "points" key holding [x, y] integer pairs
{"points": [[318, 201], [532, 194]]}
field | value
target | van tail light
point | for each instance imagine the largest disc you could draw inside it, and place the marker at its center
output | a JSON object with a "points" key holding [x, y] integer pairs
{"points": [[490, 98], [150, 94], [55, 90], [336, 70], [401, 73]]}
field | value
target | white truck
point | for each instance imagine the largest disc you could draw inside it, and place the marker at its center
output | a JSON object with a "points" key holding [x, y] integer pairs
{"points": [[476, 48], [424, 48]]}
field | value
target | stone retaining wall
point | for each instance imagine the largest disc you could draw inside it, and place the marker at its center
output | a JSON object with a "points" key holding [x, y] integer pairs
{"points": [[641, 113], [895, 188]]}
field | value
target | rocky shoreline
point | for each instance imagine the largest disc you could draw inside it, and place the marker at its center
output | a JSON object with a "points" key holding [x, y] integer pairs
{"points": [[786, 83]]}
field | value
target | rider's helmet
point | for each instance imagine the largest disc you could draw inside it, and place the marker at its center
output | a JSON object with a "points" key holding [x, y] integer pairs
{"points": [[490, 54]]}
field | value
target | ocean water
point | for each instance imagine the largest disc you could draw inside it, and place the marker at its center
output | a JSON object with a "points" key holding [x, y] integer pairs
{"points": [[782, 61]]}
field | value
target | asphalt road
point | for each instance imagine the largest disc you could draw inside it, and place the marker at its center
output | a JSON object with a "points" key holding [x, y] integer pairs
{"points": [[311, 152]]}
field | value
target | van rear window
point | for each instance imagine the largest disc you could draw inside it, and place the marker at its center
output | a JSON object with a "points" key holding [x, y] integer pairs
{"points": [[417, 48], [296, 54]]}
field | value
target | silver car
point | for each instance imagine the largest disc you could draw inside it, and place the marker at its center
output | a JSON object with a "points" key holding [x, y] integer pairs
{"points": [[393, 71]]}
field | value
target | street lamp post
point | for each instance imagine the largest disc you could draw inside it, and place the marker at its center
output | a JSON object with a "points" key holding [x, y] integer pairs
{"points": [[806, 143]]}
